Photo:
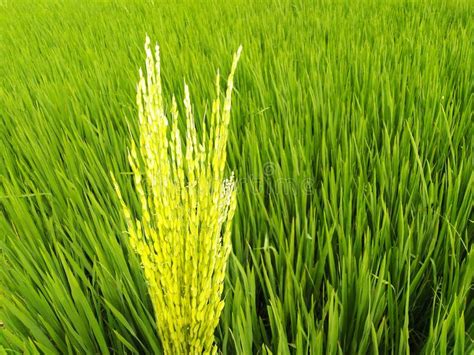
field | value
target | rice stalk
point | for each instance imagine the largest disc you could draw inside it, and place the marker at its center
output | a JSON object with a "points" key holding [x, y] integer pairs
{"points": [[187, 206]]}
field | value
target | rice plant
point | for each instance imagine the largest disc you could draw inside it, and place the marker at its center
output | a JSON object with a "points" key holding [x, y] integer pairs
{"points": [[183, 237], [351, 141]]}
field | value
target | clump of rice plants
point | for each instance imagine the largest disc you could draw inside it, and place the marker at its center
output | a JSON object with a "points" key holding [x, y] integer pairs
{"points": [[352, 146], [187, 206]]}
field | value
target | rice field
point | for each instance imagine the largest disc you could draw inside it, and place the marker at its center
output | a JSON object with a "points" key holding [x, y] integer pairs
{"points": [[351, 139]]}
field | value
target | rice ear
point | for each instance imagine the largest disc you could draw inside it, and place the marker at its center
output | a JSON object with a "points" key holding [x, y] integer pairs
{"points": [[187, 206]]}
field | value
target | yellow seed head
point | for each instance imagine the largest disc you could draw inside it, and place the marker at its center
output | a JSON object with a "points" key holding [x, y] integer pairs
{"points": [[183, 235]]}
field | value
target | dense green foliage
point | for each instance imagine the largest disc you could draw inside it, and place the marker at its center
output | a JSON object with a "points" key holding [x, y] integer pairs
{"points": [[351, 137]]}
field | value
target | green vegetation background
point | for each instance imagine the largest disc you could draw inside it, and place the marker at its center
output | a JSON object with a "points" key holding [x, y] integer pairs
{"points": [[351, 136]]}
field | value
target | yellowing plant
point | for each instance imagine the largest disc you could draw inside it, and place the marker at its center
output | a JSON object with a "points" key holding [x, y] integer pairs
{"points": [[183, 236]]}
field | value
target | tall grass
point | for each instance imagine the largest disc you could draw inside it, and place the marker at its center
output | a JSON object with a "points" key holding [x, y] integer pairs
{"points": [[352, 139]]}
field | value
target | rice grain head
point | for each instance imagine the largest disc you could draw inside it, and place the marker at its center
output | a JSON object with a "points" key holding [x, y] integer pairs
{"points": [[187, 206]]}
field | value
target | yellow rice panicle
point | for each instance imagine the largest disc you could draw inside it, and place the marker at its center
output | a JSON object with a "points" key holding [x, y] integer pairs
{"points": [[187, 206]]}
